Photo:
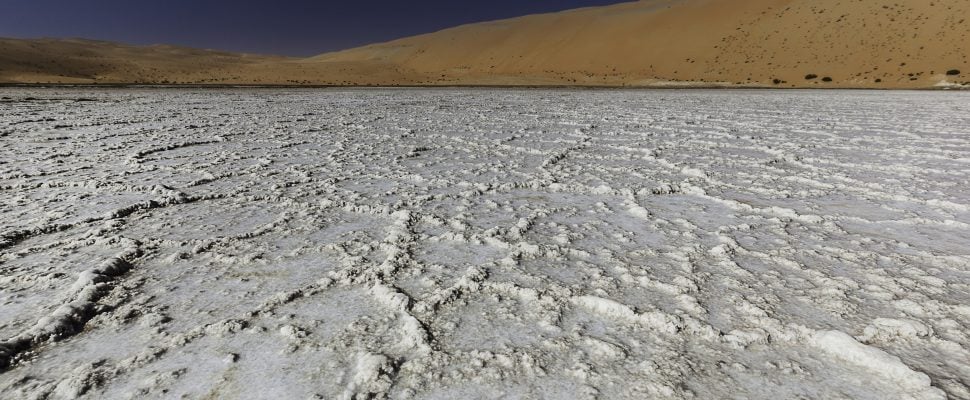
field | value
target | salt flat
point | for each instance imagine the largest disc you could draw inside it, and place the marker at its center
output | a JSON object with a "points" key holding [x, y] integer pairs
{"points": [[466, 243]]}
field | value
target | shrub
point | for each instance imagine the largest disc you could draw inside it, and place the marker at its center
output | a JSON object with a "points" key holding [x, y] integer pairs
{"points": [[953, 72], [811, 76], [827, 79]]}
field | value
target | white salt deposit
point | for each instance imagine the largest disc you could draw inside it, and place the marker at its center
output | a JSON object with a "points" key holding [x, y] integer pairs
{"points": [[472, 243]]}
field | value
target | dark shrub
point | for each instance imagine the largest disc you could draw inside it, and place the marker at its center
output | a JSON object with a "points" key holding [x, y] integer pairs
{"points": [[811, 76], [953, 72], [827, 79], [776, 81]]}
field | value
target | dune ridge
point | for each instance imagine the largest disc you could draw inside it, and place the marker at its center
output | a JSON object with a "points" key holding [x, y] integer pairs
{"points": [[655, 43]]}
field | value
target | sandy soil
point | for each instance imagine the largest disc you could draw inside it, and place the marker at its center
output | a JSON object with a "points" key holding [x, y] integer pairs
{"points": [[771, 43]]}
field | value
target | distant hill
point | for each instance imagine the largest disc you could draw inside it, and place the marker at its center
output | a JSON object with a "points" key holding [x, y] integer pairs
{"points": [[88, 61], [773, 43]]}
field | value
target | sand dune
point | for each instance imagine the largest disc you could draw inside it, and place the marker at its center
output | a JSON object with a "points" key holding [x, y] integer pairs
{"points": [[775, 43], [78, 61], [88, 61], [754, 42]]}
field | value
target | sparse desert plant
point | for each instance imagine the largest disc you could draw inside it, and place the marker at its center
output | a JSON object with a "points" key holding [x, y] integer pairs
{"points": [[953, 72], [827, 79], [810, 76]]}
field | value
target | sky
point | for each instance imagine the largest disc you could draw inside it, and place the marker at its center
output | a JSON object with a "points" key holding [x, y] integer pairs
{"points": [[286, 27]]}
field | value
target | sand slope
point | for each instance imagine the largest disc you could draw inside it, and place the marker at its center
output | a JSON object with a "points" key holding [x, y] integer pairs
{"points": [[88, 61], [733, 42], [79, 61], [778, 43]]}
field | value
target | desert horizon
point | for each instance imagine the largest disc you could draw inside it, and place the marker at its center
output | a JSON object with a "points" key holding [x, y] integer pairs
{"points": [[575, 199], [906, 44]]}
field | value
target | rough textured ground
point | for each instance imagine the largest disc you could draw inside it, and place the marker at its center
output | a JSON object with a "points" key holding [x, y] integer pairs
{"points": [[484, 244]]}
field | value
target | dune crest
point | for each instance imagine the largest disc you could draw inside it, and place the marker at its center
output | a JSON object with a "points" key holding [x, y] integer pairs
{"points": [[767, 43]]}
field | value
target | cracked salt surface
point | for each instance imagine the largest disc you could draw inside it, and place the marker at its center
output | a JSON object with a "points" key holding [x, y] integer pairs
{"points": [[484, 244]]}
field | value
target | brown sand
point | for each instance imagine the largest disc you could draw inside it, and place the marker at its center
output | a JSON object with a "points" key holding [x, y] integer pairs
{"points": [[772, 43]]}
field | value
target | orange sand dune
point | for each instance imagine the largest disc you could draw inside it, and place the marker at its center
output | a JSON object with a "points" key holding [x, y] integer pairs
{"points": [[772, 43]]}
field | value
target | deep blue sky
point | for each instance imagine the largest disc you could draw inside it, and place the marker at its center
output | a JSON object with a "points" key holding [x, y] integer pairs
{"points": [[291, 27]]}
